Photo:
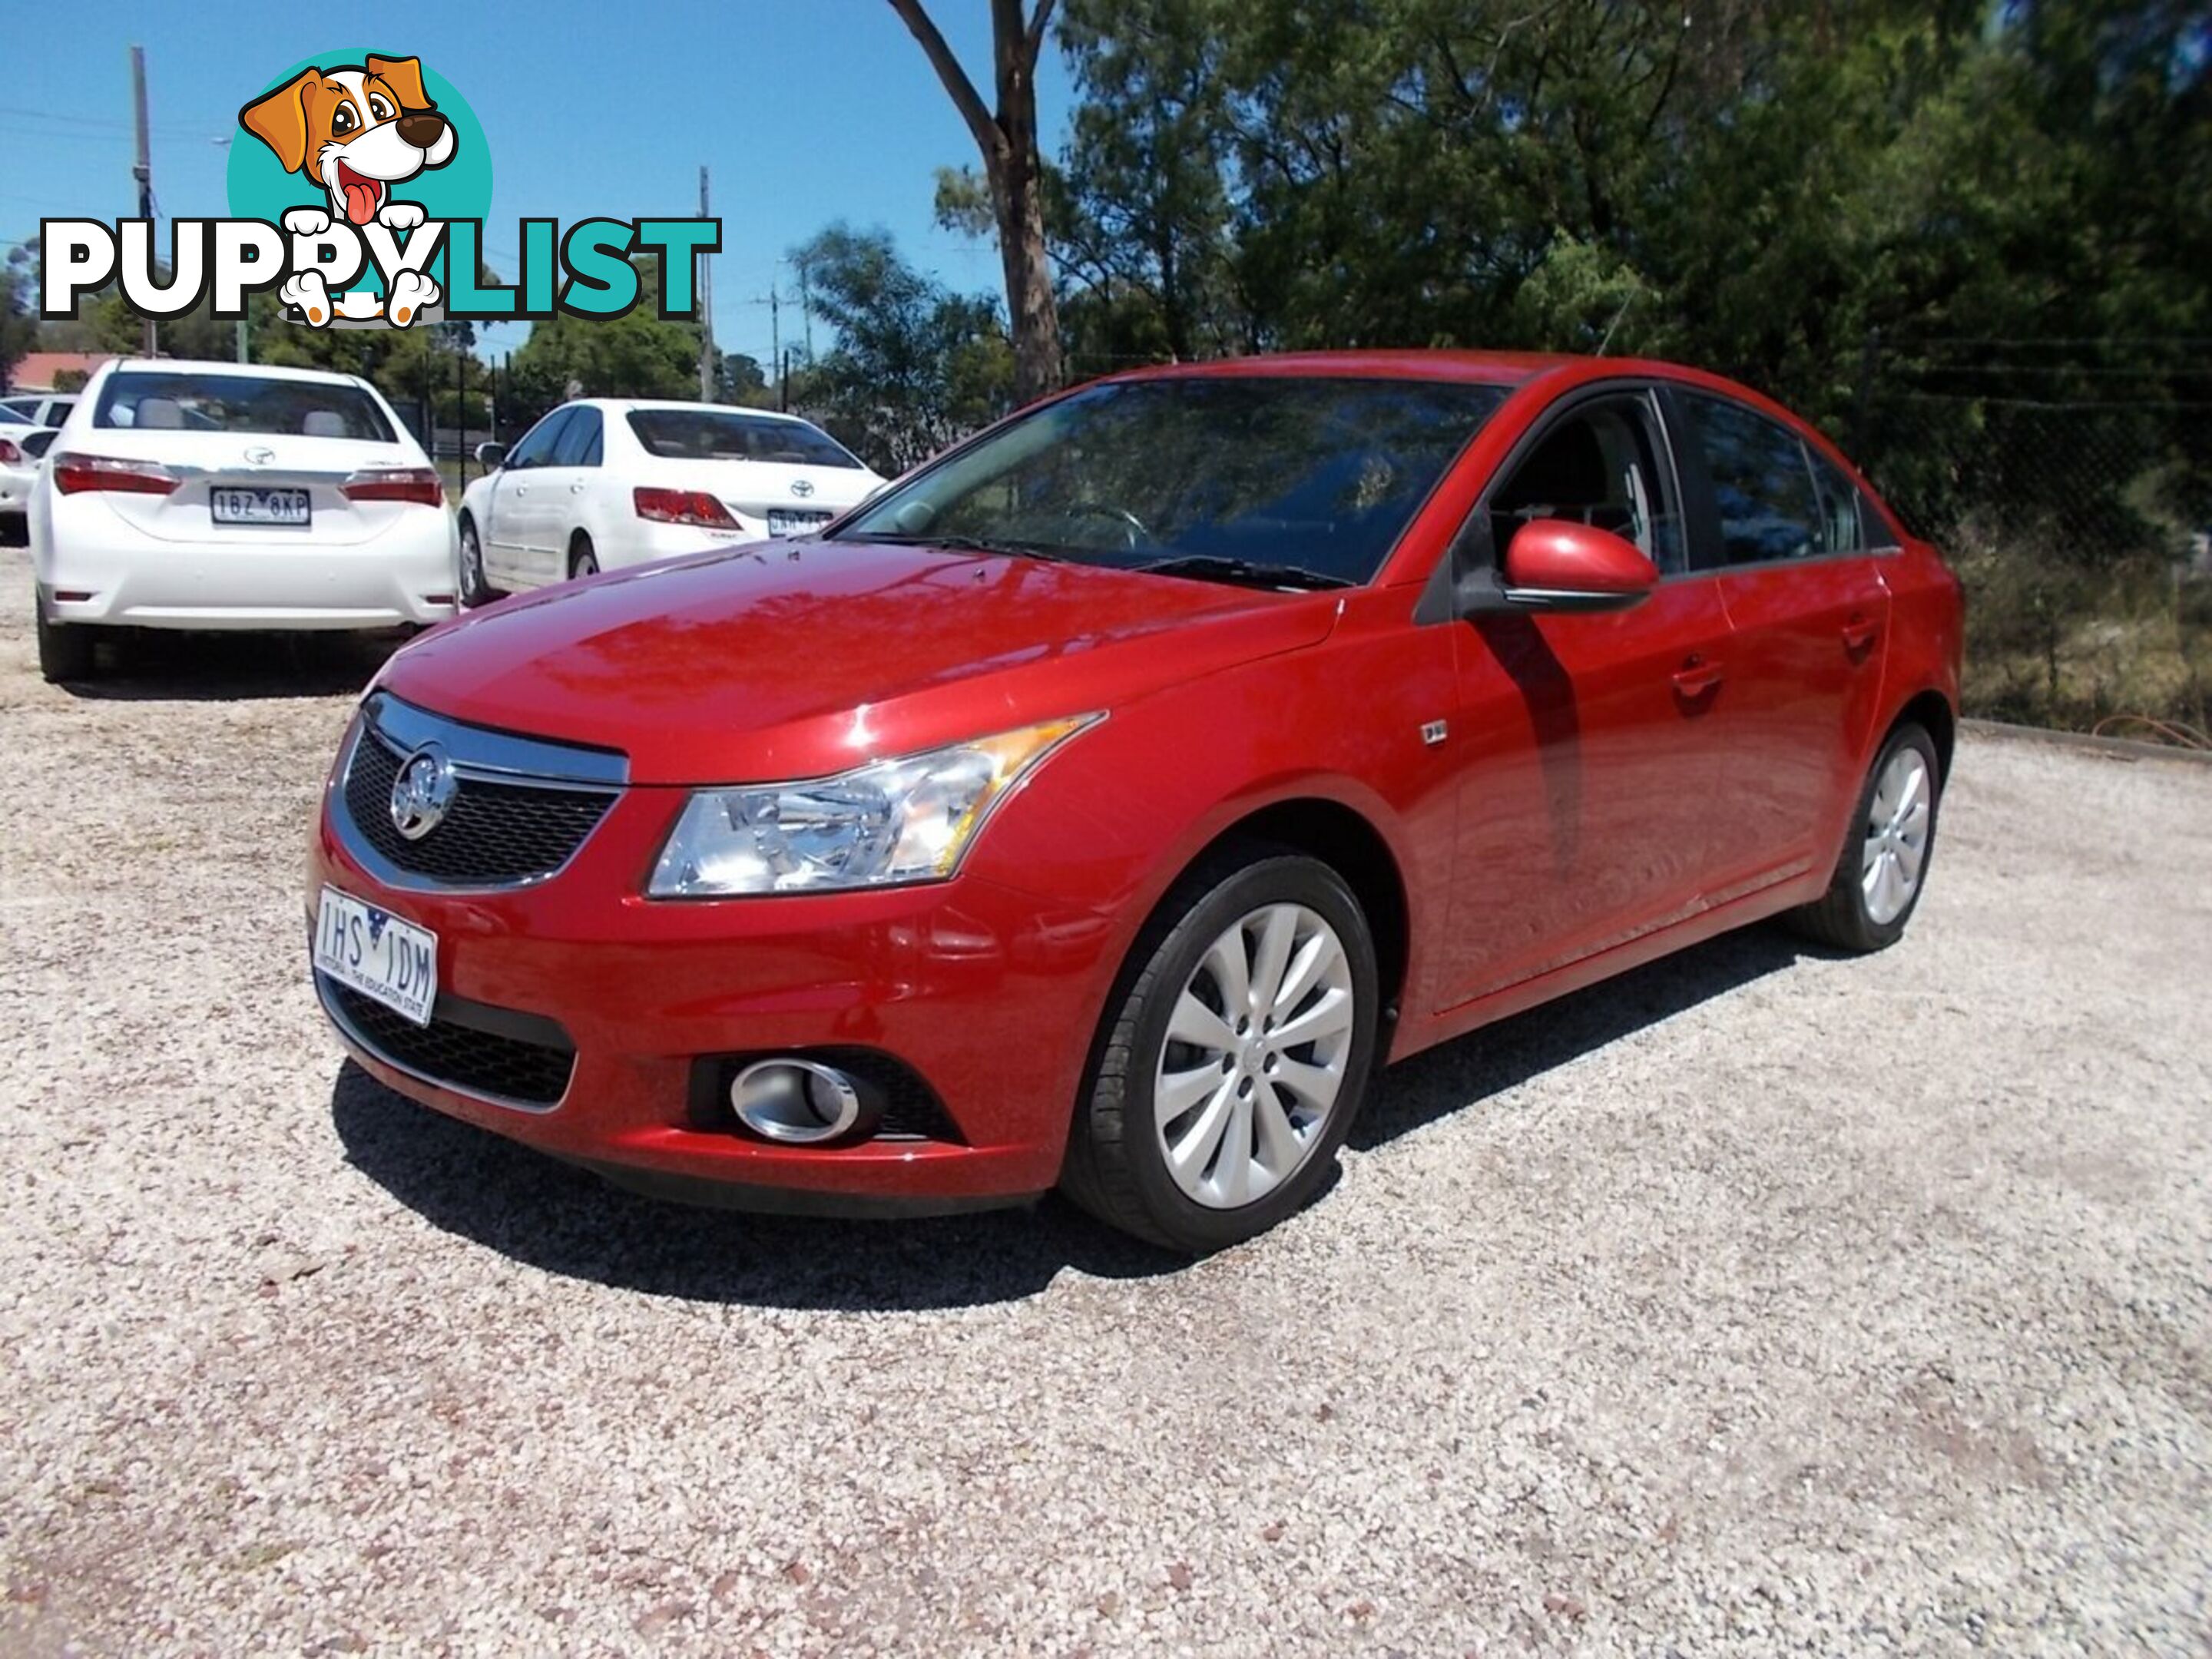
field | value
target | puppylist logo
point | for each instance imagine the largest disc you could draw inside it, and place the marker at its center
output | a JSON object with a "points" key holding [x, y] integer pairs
{"points": [[359, 183]]}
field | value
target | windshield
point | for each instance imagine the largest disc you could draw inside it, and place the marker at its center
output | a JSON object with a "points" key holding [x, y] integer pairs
{"points": [[1271, 478], [710, 435], [189, 402]]}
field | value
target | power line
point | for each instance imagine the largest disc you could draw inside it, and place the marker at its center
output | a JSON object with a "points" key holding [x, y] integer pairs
{"points": [[170, 130]]}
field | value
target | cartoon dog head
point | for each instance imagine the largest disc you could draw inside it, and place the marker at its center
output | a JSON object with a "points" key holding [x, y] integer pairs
{"points": [[356, 131]]}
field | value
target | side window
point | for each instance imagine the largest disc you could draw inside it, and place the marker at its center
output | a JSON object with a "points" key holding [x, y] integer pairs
{"points": [[1603, 465], [581, 440], [1762, 484], [536, 448], [1840, 526]]}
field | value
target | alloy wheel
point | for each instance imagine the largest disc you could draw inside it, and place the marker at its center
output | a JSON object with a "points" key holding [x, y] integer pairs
{"points": [[472, 571], [1255, 1057], [1896, 846]]}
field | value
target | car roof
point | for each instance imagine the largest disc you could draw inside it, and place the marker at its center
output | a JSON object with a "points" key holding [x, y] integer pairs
{"points": [[623, 405], [211, 365], [1499, 369], [1481, 368]]}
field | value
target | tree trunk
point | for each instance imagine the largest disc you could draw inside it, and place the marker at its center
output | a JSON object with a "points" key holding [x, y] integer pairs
{"points": [[1035, 317], [1007, 138]]}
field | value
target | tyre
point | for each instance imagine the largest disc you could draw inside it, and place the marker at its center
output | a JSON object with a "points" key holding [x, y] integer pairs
{"points": [[65, 653], [582, 560], [1884, 867], [1232, 1057], [470, 579]]}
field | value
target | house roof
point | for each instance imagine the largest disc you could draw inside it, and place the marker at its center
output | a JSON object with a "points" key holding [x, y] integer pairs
{"points": [[35, 370]]}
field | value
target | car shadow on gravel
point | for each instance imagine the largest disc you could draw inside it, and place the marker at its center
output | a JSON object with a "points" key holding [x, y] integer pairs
{"points": [[1496, 1058], [537, 1210], [165, 666]]}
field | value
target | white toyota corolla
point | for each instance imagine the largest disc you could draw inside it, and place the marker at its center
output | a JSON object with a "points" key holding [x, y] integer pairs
{"points": [[229, 496], [604, 482]]}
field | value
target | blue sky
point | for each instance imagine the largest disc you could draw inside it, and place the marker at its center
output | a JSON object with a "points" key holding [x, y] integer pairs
{"points": [[806, 111]]}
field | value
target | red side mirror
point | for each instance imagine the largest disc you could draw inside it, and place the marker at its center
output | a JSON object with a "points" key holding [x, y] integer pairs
{"points": [[1558, 564]]}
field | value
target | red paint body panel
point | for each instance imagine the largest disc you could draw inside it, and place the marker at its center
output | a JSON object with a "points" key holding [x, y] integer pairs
{"points": [[1612, 786]]}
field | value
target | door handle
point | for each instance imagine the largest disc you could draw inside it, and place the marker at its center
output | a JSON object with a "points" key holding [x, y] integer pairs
{"points": [[1696, 675], [522, 490], [575, 489], [1859, 633]]}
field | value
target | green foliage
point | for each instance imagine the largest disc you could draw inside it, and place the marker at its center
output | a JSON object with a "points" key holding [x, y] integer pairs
{"points": [[634, 356], [915, 366], [1752, 185], [18, 312]]}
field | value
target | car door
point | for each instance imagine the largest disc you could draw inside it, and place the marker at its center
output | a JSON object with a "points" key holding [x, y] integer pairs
{"points": [[510, 531], [1808, 615], [563, 486], [1593, 741]]}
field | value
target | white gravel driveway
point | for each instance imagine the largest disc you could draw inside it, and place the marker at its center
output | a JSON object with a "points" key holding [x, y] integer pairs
{"points": [[1756, 1302]]}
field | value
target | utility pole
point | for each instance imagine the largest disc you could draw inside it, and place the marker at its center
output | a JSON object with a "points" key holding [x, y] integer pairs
{"points": [[806, 310], [706, 306], [143, 172], [774, 331]]}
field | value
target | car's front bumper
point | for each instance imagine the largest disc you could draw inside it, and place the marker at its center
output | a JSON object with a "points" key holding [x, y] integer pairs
{"points": [[987, 996]]}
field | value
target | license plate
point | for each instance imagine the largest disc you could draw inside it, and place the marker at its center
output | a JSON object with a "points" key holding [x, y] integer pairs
{"points": [[782, 523], [375, 953], [285, 506]]}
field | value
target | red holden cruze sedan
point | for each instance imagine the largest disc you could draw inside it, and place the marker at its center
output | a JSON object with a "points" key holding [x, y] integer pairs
{"points": [[1101, 805]]}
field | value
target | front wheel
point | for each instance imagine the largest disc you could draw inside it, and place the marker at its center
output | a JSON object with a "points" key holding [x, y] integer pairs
{"points": [[1878, 880], [1229, 1068]]}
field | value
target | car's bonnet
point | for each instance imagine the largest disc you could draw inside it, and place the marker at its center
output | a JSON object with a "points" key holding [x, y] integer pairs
{"points": [[797, 660]]}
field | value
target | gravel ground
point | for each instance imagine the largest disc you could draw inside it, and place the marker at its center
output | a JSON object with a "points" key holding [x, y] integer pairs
{"points": [[1756, 1302]]}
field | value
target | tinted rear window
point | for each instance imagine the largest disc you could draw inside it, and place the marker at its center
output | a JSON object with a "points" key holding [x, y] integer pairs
{"points": [[154, 401], [714, 434]]}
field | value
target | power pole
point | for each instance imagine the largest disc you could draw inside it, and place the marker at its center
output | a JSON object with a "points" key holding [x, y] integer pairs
{"points": [[706, 306], [774, 331], [806, 310], [143, 172]]}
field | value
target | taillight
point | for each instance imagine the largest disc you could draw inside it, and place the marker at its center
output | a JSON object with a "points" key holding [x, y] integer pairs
{"points": [[419, 484], [692, 507], [9, 455], [74, 473]]}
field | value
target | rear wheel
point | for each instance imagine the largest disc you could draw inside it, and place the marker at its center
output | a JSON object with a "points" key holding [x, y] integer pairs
{"points": [[1232, 1065], [582, 560], [1878, 880], [65, 653], [475, 588]]}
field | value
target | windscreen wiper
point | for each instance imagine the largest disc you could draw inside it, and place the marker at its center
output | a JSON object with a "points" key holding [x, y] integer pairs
{"points": [[1225, 568], [958, 544]]}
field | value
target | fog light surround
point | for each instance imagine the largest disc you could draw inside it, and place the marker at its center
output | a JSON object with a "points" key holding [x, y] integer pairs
{"points": [[797, 1103]]}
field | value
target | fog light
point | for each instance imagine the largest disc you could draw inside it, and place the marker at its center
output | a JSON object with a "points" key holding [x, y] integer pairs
{"points": [[795, 1100]]}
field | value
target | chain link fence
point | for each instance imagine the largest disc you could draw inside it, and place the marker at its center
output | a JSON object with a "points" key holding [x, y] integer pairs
{"points": [[2078, 523]]}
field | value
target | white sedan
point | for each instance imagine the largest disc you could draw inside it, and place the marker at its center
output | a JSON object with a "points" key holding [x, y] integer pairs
{"points": [[604, 482], [229, 496], [22, 449]]}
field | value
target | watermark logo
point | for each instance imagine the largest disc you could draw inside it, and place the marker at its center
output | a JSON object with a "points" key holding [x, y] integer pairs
{"points": [[359, 183], [380, 144]]}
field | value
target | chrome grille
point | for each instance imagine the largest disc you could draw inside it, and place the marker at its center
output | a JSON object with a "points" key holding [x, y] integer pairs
{"points": [[505, 827]]}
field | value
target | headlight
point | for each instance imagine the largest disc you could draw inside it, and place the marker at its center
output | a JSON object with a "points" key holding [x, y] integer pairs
{"points": [[890, 821]]}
